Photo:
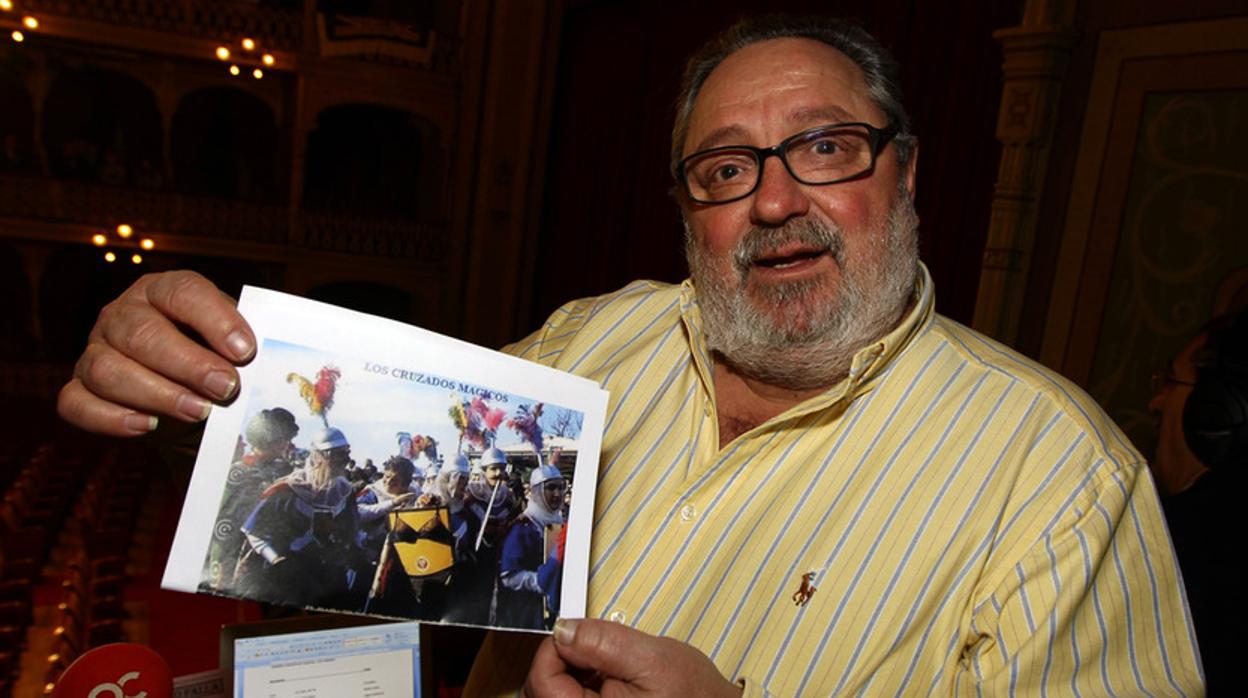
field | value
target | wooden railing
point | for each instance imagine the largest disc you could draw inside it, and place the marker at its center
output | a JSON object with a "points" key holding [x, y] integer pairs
{"points": [[228, 21], [87, 203], [338, 233], [50, 200], [206, 19]]}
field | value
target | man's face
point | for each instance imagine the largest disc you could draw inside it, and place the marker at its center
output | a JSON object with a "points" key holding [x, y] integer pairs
{"points": [[281, 448], [1174, 465], [552, 494], [456, 483], [336, 458], [804, 261], [493, 473], [340, 458], [394, 482]]}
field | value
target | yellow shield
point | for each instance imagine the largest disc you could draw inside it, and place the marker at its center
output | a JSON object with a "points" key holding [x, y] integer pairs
{"points": [[422, 540]]}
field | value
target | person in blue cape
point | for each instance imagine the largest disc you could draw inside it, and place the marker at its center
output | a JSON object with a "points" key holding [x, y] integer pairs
{"points": [[532, 561], [302, 536]]}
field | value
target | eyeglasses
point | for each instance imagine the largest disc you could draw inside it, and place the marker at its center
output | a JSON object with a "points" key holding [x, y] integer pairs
{"points": [[818, 156], [1161, 379]]}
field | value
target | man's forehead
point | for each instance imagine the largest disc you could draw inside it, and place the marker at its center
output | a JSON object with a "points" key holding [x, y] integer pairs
{"points": [[796, 82], [800, 118]]}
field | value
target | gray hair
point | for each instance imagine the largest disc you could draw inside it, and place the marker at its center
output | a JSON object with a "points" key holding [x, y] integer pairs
{"points": [[878, 67]]}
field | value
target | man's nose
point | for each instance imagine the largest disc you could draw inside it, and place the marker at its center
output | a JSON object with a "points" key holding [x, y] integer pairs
{"points": [[779, 197]]}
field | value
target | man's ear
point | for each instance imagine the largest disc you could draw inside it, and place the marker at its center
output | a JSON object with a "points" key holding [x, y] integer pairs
{"points": [[912, 166]]}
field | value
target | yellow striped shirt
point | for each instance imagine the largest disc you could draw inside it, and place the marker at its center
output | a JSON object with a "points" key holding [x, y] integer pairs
{"points": [[972, 523]]}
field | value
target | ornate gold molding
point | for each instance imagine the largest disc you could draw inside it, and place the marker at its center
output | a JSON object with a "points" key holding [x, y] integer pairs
{"points": [[1116, 50]]}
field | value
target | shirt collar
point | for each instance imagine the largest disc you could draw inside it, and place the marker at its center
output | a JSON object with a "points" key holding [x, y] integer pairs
{"points": [[867, 365]]}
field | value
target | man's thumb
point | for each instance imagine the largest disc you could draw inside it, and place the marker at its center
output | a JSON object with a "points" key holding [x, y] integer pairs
{"points": [[617, 651]]}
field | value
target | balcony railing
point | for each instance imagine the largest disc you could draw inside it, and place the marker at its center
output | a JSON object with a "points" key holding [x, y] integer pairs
{"points": [[356, 235], [228, 21], [69, 201], [207, 19], [86, 203]]}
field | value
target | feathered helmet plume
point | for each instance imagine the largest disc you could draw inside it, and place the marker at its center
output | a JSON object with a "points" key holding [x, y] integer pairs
{"points": [[318, 395], [488, 418], [426, 445], [525, 424], [465, 422]]}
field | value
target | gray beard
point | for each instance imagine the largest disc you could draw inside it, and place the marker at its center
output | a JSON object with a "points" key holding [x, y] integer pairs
{"points": [[793, 335]]}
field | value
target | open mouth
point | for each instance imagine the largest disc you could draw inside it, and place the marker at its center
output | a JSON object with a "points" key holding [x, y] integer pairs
{"points": [[788, 258]]}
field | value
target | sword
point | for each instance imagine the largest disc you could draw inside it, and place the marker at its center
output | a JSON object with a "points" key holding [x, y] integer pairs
{"points": [[484, 519]]}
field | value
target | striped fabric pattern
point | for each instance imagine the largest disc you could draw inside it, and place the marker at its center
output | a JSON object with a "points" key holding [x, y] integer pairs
{"points": [[973, 524]]}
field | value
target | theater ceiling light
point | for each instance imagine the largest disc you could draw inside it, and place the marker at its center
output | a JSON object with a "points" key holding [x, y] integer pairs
{"points": [[18, 28], [126, 239], [250, 57]]}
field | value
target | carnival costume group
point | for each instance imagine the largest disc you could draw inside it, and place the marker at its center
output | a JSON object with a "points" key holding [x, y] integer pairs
{"points": [[466, 539]]}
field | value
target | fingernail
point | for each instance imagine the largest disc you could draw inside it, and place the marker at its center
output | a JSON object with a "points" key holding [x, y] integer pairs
{"points": [[192, 407], [141, 423], [220, 383], [240, 345], [565, 631]]}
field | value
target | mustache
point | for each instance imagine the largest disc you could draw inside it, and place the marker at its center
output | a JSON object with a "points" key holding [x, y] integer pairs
{"points": [[760, 241]]}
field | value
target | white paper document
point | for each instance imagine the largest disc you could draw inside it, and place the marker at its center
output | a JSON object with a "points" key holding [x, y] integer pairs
{"points": [[368, 466]]}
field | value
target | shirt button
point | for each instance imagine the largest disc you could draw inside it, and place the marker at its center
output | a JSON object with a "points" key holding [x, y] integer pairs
{"points": [[617, 617], [688, 513], [706, 409]]}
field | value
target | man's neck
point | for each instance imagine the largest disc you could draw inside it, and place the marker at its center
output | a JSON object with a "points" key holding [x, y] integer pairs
{"points": [[744, 402]]}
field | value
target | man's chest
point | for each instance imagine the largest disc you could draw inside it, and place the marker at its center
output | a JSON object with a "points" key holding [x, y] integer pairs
{"points": [[873, 514]]}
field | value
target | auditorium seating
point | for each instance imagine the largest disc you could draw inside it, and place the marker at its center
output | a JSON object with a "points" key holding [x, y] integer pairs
{"points": [[67, 519]]}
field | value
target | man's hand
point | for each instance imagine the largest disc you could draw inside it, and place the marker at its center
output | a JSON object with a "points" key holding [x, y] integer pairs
{"points": [[141, 361], [402, 500], [622, 662]]}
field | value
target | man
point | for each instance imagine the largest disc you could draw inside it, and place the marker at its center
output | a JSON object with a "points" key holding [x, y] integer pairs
{"points": [[395, 489], [490, 498], [449, 488], [269, 434], [810, 477], [463, 602], [393, 591], [490, 506], [529, 568], [810, 483], [1200, 464], [303, 534]]}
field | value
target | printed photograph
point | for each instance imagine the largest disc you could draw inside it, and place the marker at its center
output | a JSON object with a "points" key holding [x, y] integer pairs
{"points": [[381, 489]]}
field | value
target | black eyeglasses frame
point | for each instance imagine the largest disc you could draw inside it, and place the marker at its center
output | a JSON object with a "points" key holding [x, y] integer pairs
{"points": [[878, 138]]}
